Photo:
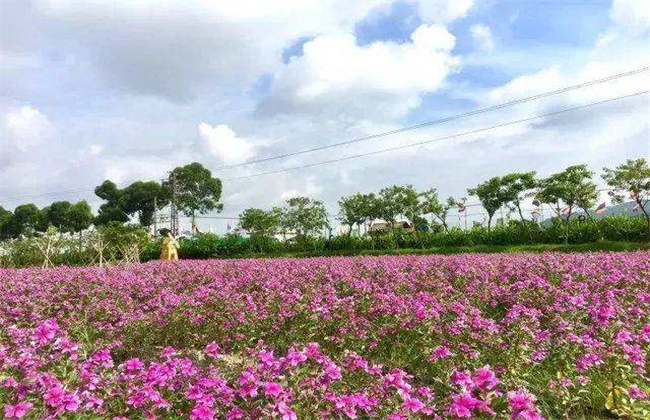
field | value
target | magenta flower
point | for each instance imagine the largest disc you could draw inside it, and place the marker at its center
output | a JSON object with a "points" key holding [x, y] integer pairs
{"points": [[485, 379], [272, 389], [413, 404], [440, 352], [462, 405], [17, 411], [637, 393], [202, 412], [213, 350]]}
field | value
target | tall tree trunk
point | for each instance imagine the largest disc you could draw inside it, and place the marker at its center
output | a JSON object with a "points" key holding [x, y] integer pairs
{"points": [[518, 204], [647, 216]]}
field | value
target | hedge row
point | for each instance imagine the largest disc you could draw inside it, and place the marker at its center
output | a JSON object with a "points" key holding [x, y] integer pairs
{"points": [[616, 228]]}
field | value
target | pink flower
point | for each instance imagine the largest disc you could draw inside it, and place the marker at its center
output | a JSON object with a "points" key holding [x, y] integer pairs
{"points": [[637, 393], [46, 330], [213, 350], [17, 411], [462, 405], [461, 378], [529, 415], [286, 412], [519, 401], [440, 352], [332, 371], [54, 396], [202, 412], [413, 404], [133, 365], [484, 378], [272, 389]]}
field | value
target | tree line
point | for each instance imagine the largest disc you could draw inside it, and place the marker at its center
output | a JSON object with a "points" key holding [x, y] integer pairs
{"points": [[195, 191], [565, 192]]}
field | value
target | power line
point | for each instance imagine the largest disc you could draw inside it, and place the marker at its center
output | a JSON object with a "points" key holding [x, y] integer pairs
{"points": [[384, 134], [420, 143], [55, 193], [442, 120]]}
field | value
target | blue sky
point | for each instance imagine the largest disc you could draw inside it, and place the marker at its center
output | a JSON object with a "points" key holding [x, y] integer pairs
{"points": [[126, 91]]}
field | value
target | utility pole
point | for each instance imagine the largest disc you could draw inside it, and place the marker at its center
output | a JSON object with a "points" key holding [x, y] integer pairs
{"points": [[155, 216], [173, 212]]}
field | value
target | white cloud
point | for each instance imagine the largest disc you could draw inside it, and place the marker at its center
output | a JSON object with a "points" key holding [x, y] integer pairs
{"points": [[444, 11], [337, 77], [222, 142], [96, 149], [310, 188], [25, 127], [177, 49], [483, 36], [632, 16]]}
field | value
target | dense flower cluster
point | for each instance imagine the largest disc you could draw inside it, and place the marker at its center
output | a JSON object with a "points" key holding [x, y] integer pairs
{"points": [[469, 336]]}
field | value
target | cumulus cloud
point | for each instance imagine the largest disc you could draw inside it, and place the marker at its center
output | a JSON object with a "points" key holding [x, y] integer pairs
{"points": [[335, 76], [25, 127], [482, 34], [444, 11], [173, 49], [220, 141], [631, 16], [310, 188]]}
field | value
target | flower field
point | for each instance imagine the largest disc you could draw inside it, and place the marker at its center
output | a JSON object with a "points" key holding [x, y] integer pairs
{"points": [[555, 336]]}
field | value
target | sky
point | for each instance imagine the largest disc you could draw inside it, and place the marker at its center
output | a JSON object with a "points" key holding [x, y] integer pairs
{"points": [[128, 90]]}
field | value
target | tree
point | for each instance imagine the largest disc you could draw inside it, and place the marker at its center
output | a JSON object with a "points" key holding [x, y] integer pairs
{"points": [[305, 215], [195, 190], [25, 219], [430, 204], [260, 222], [80, 216], [633, 178], [398, 200], [369, 206], [113, 209], [515, 186], [109, 192], [57, 215], [109, 213], [573, 187], [353, 210], [5, 219], [143, 199], [492, 194], [43, 223]]}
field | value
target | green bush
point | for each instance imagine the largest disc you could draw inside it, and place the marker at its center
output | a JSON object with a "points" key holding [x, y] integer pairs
{"points": [[25, 252]]}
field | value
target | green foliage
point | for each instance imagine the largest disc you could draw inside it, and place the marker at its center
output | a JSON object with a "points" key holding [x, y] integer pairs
{"points": [[116, 237], [56, 214], [633, 178], [305, 216], [354, 210], [24, 221], [113, 209], [260, 222], [430, 204], [80, 216], [398, 200], [196, 191], [5, 220], [515, 186], [572, 188], [143, 199], [493, 194]]}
